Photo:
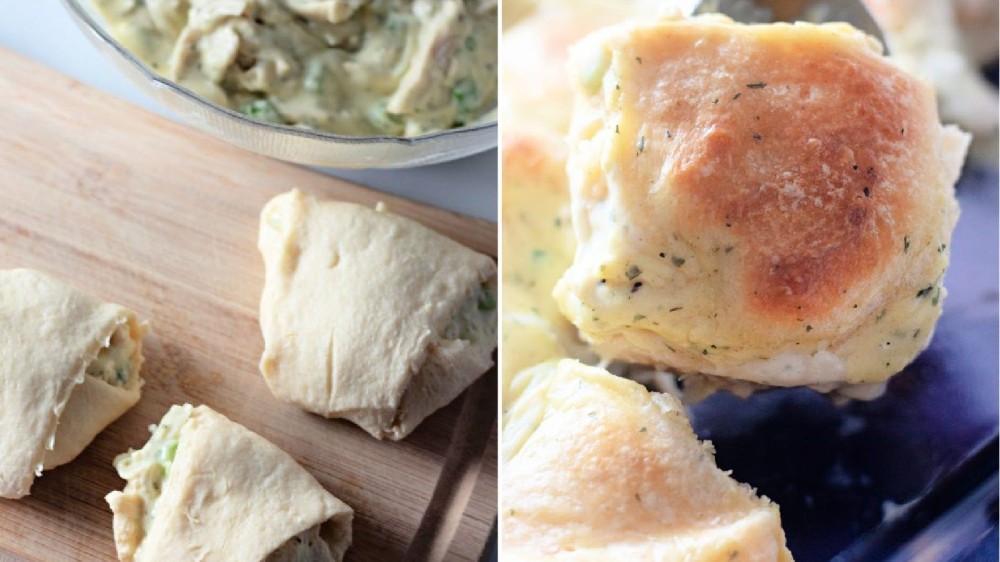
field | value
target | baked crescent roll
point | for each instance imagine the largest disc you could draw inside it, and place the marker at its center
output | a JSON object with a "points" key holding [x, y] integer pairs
{"points": [[536, 93], [516, 10], [369, 316], [538, 246], [69, 366], [537, 232], [206, 488], [596, 468], [770, 203]]}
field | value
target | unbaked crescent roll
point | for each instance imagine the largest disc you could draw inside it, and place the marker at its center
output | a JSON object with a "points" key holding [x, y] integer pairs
{"points": [[69, 366], [206, 488], [370, 316], [596, 468]]}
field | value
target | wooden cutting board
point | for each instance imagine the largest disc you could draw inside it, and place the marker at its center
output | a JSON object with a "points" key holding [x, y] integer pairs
{"points": [[141, 211]]}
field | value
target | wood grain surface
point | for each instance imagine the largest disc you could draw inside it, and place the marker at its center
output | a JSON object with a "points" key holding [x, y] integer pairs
{"points": [[145, 212]]}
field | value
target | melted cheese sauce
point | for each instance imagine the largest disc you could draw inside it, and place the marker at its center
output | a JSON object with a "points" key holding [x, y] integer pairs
{"points": [[353, 67]]}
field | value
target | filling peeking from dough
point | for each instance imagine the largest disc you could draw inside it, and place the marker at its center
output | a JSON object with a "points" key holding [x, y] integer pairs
{"points": [[307, 546], [476, 320], [115, 362], [146, 472]]}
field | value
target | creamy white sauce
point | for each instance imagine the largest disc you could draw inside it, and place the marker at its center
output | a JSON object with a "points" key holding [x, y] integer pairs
{"points": [[146, 470], [307, 546], [354, 67], [113, 363], [793, 369]]}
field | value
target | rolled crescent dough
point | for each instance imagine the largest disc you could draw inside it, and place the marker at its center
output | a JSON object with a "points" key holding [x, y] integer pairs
{"points": [[370, 316], [596, 468], [206, 488], [51, 335]]}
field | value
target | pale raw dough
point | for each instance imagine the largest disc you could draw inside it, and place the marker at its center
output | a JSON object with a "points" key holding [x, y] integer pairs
{"points": [[596, 468], [369, 316], [227, 494], [50, 408]]}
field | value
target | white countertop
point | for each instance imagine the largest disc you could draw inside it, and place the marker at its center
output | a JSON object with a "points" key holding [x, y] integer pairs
{"points": [[42, 30]]}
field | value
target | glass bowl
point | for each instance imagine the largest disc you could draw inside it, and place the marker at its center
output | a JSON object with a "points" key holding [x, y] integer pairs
{"points": [[314, 148]]}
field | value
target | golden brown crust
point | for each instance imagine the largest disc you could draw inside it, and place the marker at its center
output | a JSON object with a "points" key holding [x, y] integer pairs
{"points": [[947, 42], [761, 202], [597, 468], [731, 162]]}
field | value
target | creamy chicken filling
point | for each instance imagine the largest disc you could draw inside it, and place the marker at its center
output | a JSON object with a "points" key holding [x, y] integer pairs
{"points": [[356, 67], [476, 320], [114, 361], [146, 470], [307, 546]]}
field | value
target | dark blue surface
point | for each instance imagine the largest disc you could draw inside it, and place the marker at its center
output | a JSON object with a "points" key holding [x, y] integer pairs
{"points": [[834, 469], [987, 551]]}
